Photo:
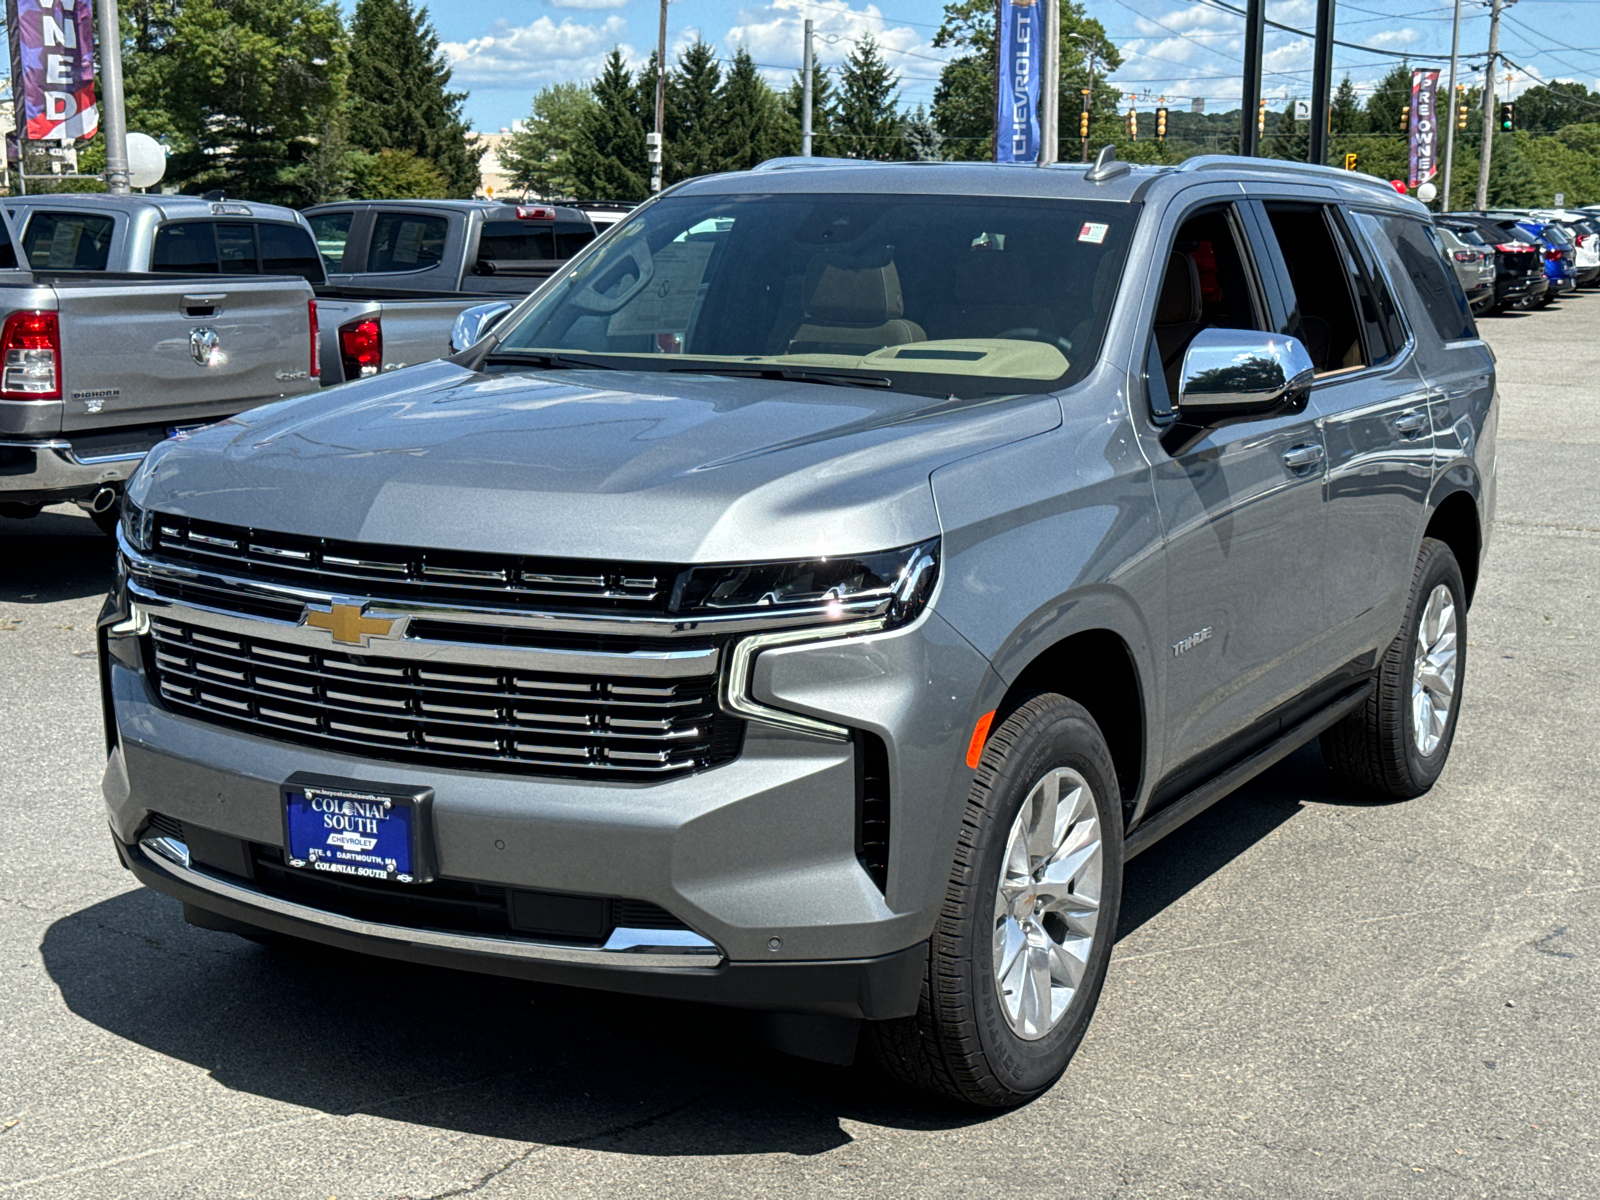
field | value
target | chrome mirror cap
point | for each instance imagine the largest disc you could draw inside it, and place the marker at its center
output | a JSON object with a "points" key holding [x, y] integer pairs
{"points": [[1240, 371], [472, 323]]}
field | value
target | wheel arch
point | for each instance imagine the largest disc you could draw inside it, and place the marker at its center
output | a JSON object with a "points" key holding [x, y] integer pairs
{"points": [[1455, 521]]}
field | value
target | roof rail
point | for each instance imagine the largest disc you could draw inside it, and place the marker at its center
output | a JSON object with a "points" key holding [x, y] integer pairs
{"points": [[1237, 162], [790, 162]]}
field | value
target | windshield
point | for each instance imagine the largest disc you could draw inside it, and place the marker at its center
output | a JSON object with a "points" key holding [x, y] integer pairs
{"points": [[937, 295]]}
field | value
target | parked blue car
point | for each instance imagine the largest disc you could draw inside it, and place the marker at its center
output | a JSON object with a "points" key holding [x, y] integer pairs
{"points": [[1560, 253]]}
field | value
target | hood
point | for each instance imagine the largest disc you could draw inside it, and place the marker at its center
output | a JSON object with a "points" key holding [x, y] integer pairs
{"points": [[587, 464]]}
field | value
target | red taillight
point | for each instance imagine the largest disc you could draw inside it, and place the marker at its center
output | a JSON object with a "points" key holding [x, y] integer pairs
{"points": [[361, 347], [1553, 255], [535, 212], [316, 351], [30, 349], [1463, 256], [1512, 248]]}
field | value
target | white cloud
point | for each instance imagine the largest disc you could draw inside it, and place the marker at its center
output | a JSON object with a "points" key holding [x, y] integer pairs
{"points": [[526, 57], [589, 4], [774, 34], [1393, 37]]}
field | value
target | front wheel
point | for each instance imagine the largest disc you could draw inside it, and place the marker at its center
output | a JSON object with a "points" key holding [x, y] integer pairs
{"points": [[1023, 940], [1396, 744]]}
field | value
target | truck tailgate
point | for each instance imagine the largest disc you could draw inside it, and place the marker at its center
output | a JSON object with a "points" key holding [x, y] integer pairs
{"points": [[414, 328], [141, 349]]}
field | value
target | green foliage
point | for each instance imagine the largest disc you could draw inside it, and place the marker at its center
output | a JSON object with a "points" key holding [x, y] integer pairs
{"points": [[868, 123], [755, 126], [1548, 107], [824, 111], [398, 175], [399, 97], [964, 99], [1348, 117], [694, 134], [1393, 96], [923, 143], [608, 160], [538, 158]]}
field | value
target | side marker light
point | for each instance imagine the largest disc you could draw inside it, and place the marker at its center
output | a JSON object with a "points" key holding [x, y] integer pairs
{"points": [[980, 734]]}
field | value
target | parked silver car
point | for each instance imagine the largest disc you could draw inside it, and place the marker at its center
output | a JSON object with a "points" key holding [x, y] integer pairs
{"points": [[812, 598], [1473, 261]]}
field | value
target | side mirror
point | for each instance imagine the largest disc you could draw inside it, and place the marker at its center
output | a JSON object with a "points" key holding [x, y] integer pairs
{"points": [[472, 323], [1232, 375]]}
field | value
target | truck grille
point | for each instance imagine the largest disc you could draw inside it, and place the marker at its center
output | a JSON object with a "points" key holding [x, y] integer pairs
{"points": [[470, 717], [411, 573]]}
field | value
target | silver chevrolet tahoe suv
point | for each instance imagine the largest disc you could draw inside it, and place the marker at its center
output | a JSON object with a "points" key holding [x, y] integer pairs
{"points": [[812, 598]]}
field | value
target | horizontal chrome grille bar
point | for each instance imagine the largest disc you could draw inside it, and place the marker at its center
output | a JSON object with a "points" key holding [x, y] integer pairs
{"points": [[489, 718]]}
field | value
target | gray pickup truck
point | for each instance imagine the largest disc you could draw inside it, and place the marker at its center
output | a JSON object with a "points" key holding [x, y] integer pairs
{"points": [[99, 366], [813, 597], [379, 320]]}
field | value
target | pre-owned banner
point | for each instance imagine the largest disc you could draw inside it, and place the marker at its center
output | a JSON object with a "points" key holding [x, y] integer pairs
{"points": [[1424, 127], [1021, 48], [52, 68]]}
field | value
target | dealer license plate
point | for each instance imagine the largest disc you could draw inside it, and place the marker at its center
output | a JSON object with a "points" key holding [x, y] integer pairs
{"points": [[360, 830]]}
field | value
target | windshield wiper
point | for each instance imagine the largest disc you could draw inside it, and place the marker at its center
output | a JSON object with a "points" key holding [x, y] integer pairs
{"points": [[790, 374], [554, 362]]}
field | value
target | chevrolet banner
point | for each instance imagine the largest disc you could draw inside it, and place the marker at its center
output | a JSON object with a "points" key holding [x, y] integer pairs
{"points": [[1021, 48], [1424, 127], [52, 68]]}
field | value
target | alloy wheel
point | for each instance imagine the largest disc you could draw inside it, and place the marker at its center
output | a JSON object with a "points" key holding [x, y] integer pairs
{"points": [[1433, 676]]}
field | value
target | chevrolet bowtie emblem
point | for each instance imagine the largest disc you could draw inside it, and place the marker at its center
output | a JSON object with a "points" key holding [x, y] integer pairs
{"points": [[349, 624]]}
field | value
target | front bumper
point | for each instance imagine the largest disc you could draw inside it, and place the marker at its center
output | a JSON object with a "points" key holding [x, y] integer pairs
{"points": [[758, 857], [44, 471]]}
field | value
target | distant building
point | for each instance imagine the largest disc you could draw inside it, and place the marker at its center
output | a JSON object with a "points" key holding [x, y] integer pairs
{"points": [[496, 183]]}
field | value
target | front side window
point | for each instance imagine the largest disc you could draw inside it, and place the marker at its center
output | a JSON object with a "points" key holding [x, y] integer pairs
{"points": [[406, 242], [67, 241], [935, 295]]}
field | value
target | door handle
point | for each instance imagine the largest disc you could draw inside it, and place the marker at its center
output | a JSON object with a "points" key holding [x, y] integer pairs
{"points": [[1302, 457], [1410, 421], [195, 305]]}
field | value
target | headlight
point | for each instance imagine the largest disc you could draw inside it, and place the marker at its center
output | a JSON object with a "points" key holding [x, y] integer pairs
{"points": [[893, 584], [136, 524]]}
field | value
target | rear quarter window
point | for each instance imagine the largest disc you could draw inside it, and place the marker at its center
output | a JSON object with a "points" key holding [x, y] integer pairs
{"points": [[66, 241], [1437, 290], [406, 242]]}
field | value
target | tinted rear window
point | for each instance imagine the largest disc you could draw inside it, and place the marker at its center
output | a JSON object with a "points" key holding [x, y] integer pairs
{"points": [[289, 250], [65, 241], [517, 241], [185, 248]]}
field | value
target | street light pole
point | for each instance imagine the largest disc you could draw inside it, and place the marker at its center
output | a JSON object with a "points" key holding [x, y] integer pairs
{"points": [[1255, 33], [113, 109], [805, 94], [1050, 101], [1450, 125], [661, 102]]}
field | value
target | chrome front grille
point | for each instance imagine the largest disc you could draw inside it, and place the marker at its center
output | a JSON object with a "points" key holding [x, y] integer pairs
{"points": [[410, 573], [457, 715]]}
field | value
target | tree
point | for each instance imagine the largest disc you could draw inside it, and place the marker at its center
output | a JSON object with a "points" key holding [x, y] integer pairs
{"points": [[869, 124], [693, 136], [250, 85], [824, 113], [754, 125], [1547, 107], [538, 157], [1346, 112], [399, 97], [608, 160], [1387, 104], [1290, 140], [922, 139], [398, 175], [963, 100]]}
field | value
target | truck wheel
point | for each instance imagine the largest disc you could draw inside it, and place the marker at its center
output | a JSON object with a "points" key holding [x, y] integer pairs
{"points": [[1030, 912], [1397, 743]]}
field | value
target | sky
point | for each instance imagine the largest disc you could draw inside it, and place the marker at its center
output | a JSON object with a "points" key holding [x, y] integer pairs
{"points": [[1177, 49]]}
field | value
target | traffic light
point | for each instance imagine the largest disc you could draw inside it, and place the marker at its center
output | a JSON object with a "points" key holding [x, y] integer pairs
{"points": [[1349, 162], [1133, 125], [1083, 117], [1461, 106], [1405, 119], [1261, 119], [1508, 117], [1161, 124]]}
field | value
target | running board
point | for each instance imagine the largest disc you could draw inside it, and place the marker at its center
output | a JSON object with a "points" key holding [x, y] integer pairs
{"points": [[1193, 803]]}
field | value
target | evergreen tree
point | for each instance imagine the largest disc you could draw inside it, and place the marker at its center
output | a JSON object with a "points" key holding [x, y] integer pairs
{"points": [[693, 142], [399, 97], [963, 100], [824, 114], [922, 138], [250, 86], [1291, 139], [754, 125], [1547, 107], [1346, 111], [1512, 180], [1387, 105], [608, 160], [538, 157], [869, 124]]}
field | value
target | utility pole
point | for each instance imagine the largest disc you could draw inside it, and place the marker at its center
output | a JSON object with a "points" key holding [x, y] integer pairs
{"points": [[805, 93], [1050, 100], [112, 108], [1450, 125], [653, 152], [1322, 85], [1488, 104], [1255, 33]]}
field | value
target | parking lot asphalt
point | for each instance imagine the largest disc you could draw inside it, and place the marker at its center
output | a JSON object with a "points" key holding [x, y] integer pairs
{"points": [[1311, 995]]}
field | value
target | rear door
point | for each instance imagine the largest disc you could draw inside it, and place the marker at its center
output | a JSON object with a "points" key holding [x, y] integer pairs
{"points": [[155, 351]]}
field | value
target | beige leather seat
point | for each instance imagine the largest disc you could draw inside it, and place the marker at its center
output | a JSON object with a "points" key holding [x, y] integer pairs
{"points": [[852, 310]]}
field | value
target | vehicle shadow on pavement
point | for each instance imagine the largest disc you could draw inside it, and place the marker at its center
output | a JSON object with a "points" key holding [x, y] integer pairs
{"points": [[53, 556], [344, 1033]]}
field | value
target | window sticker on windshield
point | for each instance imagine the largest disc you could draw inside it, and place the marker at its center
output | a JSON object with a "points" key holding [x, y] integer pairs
{"points": [[1093, 231], [667, 301]]}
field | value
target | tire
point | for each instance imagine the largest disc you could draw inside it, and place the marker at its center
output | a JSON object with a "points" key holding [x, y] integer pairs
{"points": [[1385, 747], [970, 1040]]}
